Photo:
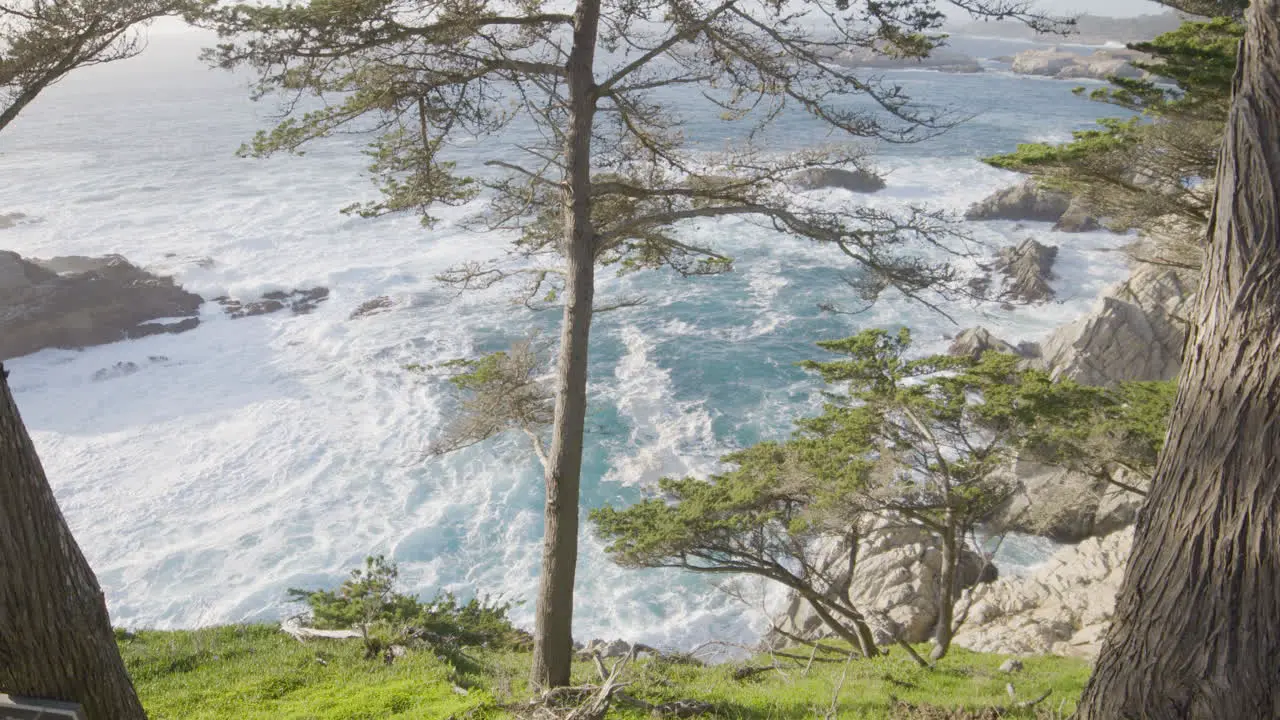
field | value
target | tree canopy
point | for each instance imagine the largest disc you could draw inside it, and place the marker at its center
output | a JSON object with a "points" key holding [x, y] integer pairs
{"points": [[1154, 170], [926, 441], [41, 41]]}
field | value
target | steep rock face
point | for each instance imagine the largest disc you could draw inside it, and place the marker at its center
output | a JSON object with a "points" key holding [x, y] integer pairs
{"points": [[859, 181], [75, 302], [1063, 505], [1063, 608], [1024, 201], [1077, 219], [895, 583], [1027, 267], [1135, 331]]}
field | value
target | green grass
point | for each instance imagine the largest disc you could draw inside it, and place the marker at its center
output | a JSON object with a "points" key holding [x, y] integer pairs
{"points": [[252, 672]]}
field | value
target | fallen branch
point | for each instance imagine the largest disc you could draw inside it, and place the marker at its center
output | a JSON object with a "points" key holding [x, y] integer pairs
{"points": [[293, 626]]}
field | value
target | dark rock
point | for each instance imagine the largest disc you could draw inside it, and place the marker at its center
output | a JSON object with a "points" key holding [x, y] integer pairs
{"points": [[76, 302], [372, 307], [1028, 268], [118, 370], [860, 181], [300, 302], [1025, 201]]}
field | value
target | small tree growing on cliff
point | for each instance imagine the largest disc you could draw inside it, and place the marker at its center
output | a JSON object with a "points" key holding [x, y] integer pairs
{"points": [[923, 442], [611, 179]]}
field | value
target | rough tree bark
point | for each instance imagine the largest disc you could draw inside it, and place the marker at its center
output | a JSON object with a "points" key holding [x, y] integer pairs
{"points": [[947, 582], [553, 631], [1197, 627], [55, 636]]}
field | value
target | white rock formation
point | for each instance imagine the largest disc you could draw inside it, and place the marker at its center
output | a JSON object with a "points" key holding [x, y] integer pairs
{"points": [[1063, 608], [1135, 331], [1064, 64], [895, 584]]}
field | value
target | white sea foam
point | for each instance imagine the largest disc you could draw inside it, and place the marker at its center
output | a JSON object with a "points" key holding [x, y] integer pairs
{"points": [[252, 455]]}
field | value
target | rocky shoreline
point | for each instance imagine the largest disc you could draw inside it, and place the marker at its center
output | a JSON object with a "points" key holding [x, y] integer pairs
{"points": [[76, 302], [1135, 331]]}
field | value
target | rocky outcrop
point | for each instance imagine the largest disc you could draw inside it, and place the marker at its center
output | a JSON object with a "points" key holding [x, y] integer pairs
{"points": [[1135, 331], [1024, 201], [895, 583], [941, 59], [1063, 505], [1077, 219], [373, 306], [1027, 201], [976, 341], [75, 302], [1027, 267], [859, 181], [1066, 65], [1063, 608], [299, 301]]}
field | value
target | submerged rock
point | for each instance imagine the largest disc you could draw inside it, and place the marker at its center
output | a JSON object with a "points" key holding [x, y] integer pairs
{"points": [[8, 220], [372, 307], [76, 302], [300, 302], [941, 59], [1063, 608], [860, 181]]}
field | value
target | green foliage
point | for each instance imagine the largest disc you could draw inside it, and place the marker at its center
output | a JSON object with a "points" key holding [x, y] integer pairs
{"points": [[500, 391], [369, 602], [256, 672], [924, 440], [1143, 171], [1096, 430]]}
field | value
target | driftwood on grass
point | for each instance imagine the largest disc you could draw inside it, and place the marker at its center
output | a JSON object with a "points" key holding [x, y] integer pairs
{"points": [[591, 702], [293, 626]]}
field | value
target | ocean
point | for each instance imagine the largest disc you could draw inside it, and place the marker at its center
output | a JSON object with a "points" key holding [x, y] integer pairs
{"points": [[250, 456]]}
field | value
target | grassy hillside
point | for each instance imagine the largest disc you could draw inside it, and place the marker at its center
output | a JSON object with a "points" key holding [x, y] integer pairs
{"points": [[256, 672]]}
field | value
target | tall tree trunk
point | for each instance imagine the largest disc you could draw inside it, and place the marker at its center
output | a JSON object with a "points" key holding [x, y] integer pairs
{"points": [[553, 633], [1197, 626], [947, 572], [55, 637]]}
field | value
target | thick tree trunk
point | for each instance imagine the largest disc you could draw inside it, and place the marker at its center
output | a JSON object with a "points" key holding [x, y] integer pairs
{"points": [[944, 629], [553, 633], [55, 637], [1197, 627]]}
